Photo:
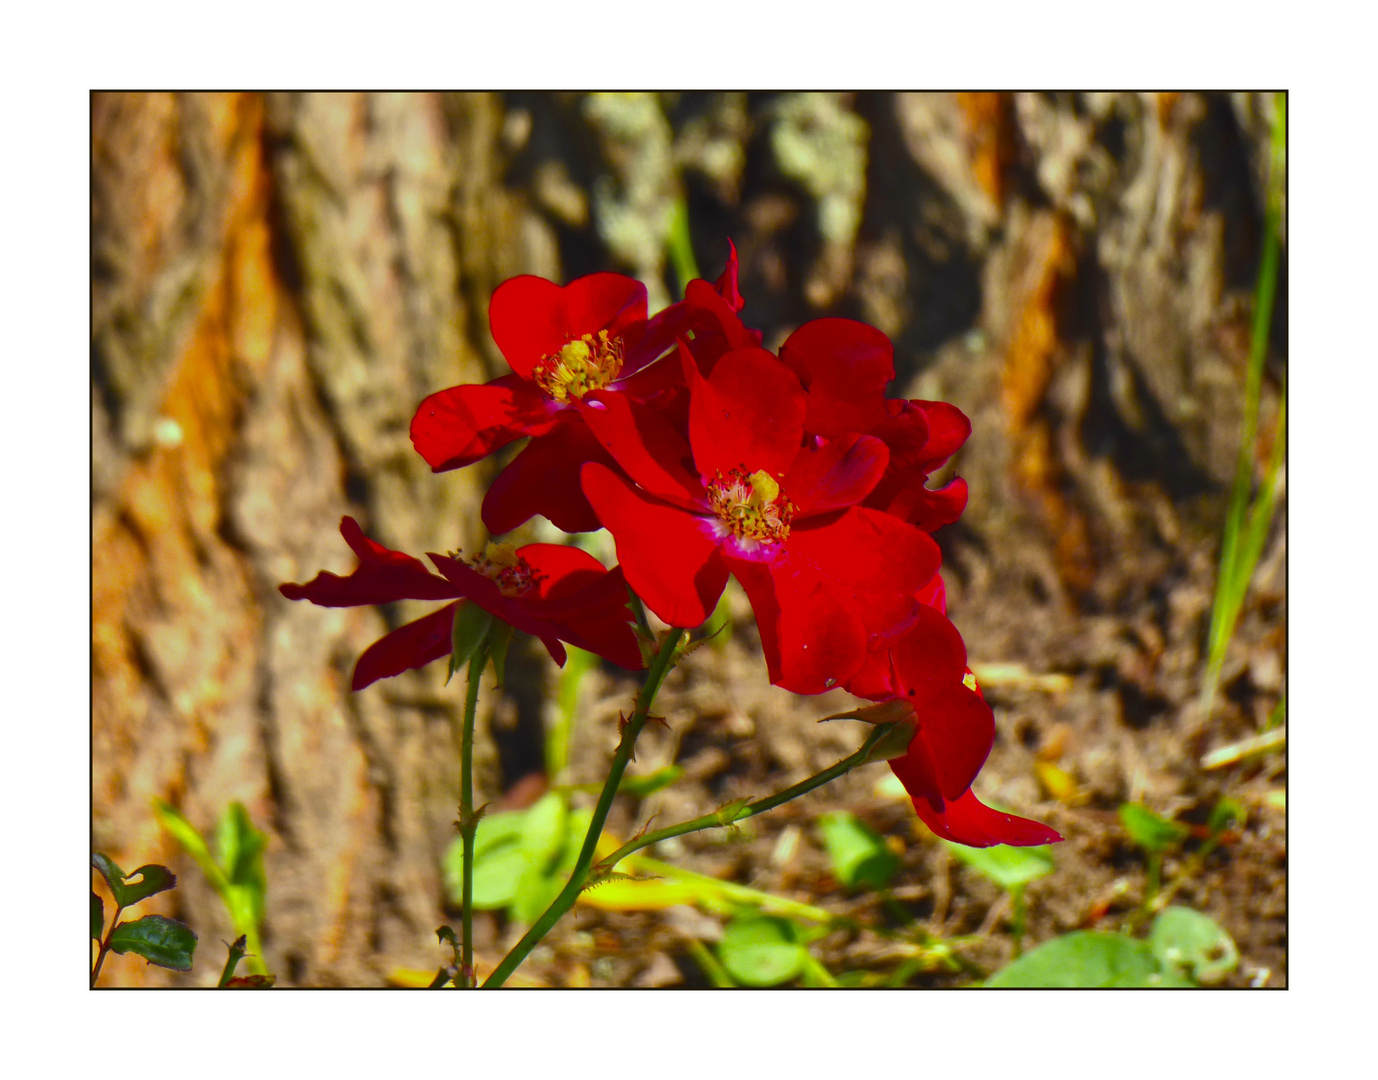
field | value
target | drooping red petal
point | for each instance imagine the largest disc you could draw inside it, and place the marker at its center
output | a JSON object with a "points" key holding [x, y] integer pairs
{"points": [[647, 448], [812, 638], [531, 318], [749, 413], [609, 637], [844, 367], [669, 556], [544, 479], [957, 728], [838, 474], [932, 651], [458, 426], [930, 509], [382, 577], [411, 646], [967, 820], [948, 429]]}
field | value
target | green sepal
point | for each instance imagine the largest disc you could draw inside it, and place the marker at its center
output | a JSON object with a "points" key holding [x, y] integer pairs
{"points": [[97, 916], [897, 715], [158, 939], [470, 627], [730, 813]]}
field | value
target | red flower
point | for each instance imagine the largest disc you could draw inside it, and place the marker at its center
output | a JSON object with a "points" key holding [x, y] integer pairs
{"points": [[844, 367], [552, 592], [747, 495], [955, 730]]}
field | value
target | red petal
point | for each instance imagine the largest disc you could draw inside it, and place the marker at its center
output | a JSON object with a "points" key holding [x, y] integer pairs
{"points": [[967, 820], [382, 577], [749, 413], [531, 318], [881, 561], [932, 509], [726, 285], [844, 366], [811, 638], [544, 479], [717, 329], [838, 474], [958, 729], [458, 426], [669, 556], [932, 651], [611, 638], [411, 646], [948, 429], [650, 451]]}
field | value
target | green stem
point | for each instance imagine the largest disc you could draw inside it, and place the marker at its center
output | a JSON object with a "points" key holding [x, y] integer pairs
{"points": [[659, 667], [680, 245], [722, 818], [468, 820], [1019, 918], [105, 945]]}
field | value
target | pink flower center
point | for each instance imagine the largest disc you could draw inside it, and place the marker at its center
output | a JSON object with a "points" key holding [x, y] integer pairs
{"points": [[751, 504], [584, 364], [512, 574]]}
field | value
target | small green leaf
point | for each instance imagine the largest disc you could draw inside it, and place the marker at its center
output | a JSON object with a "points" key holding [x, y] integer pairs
{"points": [[1225, 814], [97, 916], [467, 632], [859, 856], [186, 834], [158, 939], [152, 879], [498, 639], [641, 786], [1192, 945], [1009, 867], [1087, 958], [114, 876], [1148, 830], [761, 950]]}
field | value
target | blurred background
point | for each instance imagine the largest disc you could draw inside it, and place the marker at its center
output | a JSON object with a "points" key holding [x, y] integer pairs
{"points": [[277, 282]]}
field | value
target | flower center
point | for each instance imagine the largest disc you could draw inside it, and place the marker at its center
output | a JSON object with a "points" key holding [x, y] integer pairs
{"points": [[512, 574], [751, 504], [584, 364]]}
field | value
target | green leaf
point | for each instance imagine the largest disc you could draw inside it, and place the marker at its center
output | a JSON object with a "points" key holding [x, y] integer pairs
{"points": [[186, 834], [512, 851], [1009, 867], [97, 916], [1225, 814], [762, 950], [239, 847], [1192, 945], [498, 639], [153, 879], [1148, 830], [158, 939], [467, 632], [858, 854], [641, 786], [1087, 958], [114, 876]]}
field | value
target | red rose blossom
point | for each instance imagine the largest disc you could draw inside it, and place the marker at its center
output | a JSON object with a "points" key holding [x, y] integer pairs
{"points": [[552, 592], [747, 495]]}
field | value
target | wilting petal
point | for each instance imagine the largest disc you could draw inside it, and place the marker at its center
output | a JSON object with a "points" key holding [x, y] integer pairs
{"points": [[458, 426], [544, 479], [844, 367], [669, 556], [382, 577], [411, 646], [836, 475], [647, 448], [748, 413], [531, 318]]}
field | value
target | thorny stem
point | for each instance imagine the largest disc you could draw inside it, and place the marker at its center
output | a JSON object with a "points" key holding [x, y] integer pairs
{"points": [[658, 668], [468, 820], [725, 818]]}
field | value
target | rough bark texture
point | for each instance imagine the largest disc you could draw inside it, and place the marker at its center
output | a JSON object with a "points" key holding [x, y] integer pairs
{"points": [[277, 282]]}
